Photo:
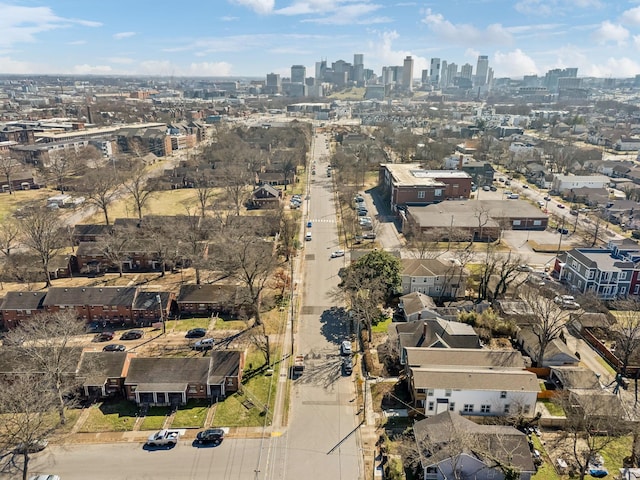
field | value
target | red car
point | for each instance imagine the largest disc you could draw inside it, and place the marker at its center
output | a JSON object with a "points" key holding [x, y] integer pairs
{"points": [[103, 337]]}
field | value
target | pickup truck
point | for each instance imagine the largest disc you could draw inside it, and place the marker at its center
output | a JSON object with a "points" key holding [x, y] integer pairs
{"points": [[298, 366], [164, 438]]}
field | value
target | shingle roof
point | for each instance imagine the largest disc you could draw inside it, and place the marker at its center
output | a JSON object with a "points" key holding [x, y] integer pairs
{"points": [[23, 300], [415, 302], [98, 367], [216, 294], [168, 371], [224, 363], [90, 296], [92, 229], [425, 267], [498, 379], [464, 357]]}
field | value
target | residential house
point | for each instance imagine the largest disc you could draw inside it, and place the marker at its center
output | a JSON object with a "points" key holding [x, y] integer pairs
{"points": [[598, 271], [573, 377], [588, 196], [151, 306], [556, 353], [265, 196], [410, 184], [89, 232], [451, 446], [18, 306], [434, 332], [274, 178], [103, 373], [212, 299], [433, 277], [175, 381], [417, 306], [627, 144], [562, 183], [469, 389]]}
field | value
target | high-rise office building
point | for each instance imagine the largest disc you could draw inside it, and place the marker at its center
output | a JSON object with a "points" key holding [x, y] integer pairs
{"points": [[298, 73], [482, 70], [358, 59], [452, 73], [490, 76], [424, 78], [358, 68], [321, 70], [466, 71], [444, 73], [434, 71], [274, 84], [552, 76], [407, 73]]}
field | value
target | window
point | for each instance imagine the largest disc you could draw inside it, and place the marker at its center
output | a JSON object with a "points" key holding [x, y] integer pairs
{"points": [[429, 392], [447, 392], [193, 389], [438, 192], [452, 407], [468, 408], [485, 408], [590, 275], [537, 223], [229, 382], [455, 185], [421, 194], [579, 283], [517, 222], [506, 408], [430, 406], [503, 394]]}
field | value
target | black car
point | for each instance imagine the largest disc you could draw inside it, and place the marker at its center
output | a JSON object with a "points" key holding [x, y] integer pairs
{"points": [[347, 365], [563, 231], [114, 347], [196, 333], [132, 335], [210, 436], [103, 337]]}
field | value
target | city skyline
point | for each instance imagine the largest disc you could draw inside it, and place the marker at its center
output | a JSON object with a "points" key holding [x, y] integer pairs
{"points": [[250, 38]]}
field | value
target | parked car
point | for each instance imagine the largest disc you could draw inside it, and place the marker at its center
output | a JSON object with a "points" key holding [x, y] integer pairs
{"points": [[493, 188], [540, 203], [486, 188], [547, 198], [560, 205], [307, 237], [363, 212], [345, 348], [211, 436], [204, 344], [103, 337], [369, 236], [524, 185], [164, 437], [309, 224], [347, 365], [513, 196], [196, 333], [132, 335], [524, 268], [114, 347], [31, 447], [563, 231], [337, 253], [45, 476]]}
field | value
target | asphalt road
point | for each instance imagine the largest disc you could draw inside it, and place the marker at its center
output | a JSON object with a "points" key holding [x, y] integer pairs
{"points": [[234, 459]]}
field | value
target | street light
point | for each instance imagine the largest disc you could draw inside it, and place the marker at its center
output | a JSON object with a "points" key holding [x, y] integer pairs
{"points": [[164, 325]]}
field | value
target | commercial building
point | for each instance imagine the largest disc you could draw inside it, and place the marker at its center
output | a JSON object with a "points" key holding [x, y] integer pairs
{"points": [[562, 183]]}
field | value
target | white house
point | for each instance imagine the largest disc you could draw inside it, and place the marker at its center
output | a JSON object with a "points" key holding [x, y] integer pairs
{"points": [[433, 277], [473, 391], [451, 446], [628, 144], [562, 183]]}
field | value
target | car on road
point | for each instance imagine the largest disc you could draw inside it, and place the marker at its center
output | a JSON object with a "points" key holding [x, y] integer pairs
{"points": [[132, 335], [204, 344], [309, 224], [547, 198], [540, 203], [369, 236], [486, 188], [307, 237], [524, 185], [114, 347], [345, 348], [196, 333], [363, 212], [563, 231], [560, 205], [211, 436], [31, 447], [347, 365], [337, 253], [524, 268], [513, 196], [103, 337]]}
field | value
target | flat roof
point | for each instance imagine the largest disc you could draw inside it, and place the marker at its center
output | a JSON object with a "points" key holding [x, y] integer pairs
{"points": [[414, 174]]}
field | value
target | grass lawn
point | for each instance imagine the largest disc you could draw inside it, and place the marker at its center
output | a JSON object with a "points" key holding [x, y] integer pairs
{"points": [[154, 420], [187, 324], [230, 324], [111, 417], [614, 453], [193, 414], [546, 471], [553, 408], [245, 409], [22, 198], [382, 326]]}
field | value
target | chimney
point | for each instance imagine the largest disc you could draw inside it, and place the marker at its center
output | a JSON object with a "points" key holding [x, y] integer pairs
{"points": [[460, 162]]}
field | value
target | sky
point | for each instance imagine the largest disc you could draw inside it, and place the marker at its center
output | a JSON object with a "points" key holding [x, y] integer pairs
{"points": [[250, 38]]}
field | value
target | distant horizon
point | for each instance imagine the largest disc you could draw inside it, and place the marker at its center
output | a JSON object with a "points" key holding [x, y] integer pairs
{"points": [[250, 38]]}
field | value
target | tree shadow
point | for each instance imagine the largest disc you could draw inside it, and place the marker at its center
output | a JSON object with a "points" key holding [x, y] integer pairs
{"points": [[321, 369], [336, 325]]}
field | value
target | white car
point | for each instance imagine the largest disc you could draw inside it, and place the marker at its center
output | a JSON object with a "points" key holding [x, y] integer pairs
{"points": [[337, 253], [345, 348], [541, 203]]}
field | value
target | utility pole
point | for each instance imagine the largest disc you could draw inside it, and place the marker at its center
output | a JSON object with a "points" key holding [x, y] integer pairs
{"points": [[164, 325], [561, 230]]}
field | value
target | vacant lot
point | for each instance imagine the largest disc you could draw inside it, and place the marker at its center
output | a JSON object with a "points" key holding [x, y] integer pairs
{"points": [[9, 204]]}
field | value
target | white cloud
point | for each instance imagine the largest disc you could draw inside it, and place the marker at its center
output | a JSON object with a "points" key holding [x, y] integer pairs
{"points": [[609, 32], [381, 49], [614, 67], [534, 7], [20, 24], [514, 64], [261, 7], [87, 69], [215, 69], [228, 18], [77, 42], [466, 34], [636, 41], [335, 12], [631, 17], [121, 60], [547, 8], [9, 65], [121, 35]]}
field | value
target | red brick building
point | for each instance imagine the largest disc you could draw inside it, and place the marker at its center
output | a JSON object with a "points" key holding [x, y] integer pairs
{"points": [[18, 306]]}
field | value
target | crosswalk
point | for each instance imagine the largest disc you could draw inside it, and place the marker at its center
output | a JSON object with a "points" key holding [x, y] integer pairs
{"points": [[323, 220]]}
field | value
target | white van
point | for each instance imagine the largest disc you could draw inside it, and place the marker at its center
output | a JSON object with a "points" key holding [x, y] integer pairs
{"points": [[307, 237]]}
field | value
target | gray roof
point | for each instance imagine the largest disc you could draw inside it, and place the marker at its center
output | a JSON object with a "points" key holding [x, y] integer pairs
{"points": [[98, 367], [215, 294], [556, 350], [224, 363], [23, 300], [446, 429], [416, 302], [172, 371], [92, 229], [464, 357], [599, 258], [575, 377], [149, 300], [112, 296], [425, 267], [498, 379], [437, 332]]}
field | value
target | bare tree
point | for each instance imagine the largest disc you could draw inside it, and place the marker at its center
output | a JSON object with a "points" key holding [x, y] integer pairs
{"points": [[9, 236], [550, 319], [135, 183], [42, 233], [626, 331], [289, 228], [7, 168], [115, 246], [237, 179], [506, 272], [424, 242], [260, 339], [60, 168], [46, 344], [101, 187], [26, 403], [192, 241]]}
